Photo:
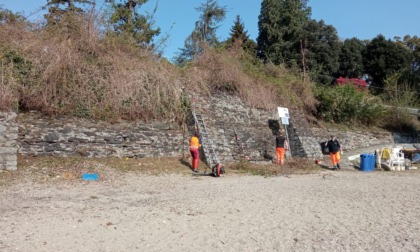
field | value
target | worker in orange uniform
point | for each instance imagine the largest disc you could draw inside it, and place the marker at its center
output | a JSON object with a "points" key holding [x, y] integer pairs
{"points": [[281, 146], [194, 150], [334, 149]]}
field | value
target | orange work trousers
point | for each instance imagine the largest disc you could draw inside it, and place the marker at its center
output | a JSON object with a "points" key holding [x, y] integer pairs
{"points": [[335, 158], [280, 155]]}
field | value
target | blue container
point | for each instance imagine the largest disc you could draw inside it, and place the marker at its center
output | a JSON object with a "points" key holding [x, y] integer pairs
{"points": [[90, 176], [367, 162]]}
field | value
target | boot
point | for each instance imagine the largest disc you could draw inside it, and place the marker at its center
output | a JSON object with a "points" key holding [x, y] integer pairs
{"points": [[338, 167]]}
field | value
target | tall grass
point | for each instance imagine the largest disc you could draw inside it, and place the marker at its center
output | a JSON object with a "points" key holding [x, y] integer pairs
{"points": [[259, 85], [80, 72], [74, 68]]}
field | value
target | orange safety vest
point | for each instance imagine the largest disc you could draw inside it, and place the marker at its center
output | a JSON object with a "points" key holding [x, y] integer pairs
{"points": [[194, 143]]}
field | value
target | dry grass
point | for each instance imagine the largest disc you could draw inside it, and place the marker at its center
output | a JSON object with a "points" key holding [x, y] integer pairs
{"points": [[73, 68], [258, 85], [297, 166], [56, 169], [78, 71]]}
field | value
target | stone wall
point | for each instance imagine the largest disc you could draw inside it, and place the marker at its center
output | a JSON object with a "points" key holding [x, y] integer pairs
{"points": [[8, 141], [43, 136], [227, 117], [236, 130]]}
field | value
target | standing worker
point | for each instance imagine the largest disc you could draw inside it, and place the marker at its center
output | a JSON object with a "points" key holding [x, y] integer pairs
{"points": [[194, 150], [334, 149], [281, 146]]}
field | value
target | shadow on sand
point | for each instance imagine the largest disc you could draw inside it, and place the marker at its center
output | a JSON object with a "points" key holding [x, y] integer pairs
{"points": [[187, 164]]}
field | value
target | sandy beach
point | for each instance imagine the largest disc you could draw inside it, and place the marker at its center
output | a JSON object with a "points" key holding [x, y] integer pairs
{"points": [[327, 211]]}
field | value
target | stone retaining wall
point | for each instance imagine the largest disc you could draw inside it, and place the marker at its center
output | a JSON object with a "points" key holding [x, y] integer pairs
{"points": [[236, 130], [43, 136], [8, 141]]}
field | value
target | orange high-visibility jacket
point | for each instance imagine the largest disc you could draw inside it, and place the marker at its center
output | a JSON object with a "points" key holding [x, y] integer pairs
{"points": [[194, 143]]}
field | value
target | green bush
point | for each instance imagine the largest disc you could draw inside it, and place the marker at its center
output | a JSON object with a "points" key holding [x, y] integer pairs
{"points": [[345, 104]]}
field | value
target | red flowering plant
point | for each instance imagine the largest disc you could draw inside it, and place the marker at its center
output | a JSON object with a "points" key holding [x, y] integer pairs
{"points": [[359, 84]]}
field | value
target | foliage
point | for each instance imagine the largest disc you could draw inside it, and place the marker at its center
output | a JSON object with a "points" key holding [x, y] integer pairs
{"points": [[239, 36], [351, 59], [344, 104], [14, 66], [259, 85], [204, 33], [382, 58], [128, 23], [397, 94], [92, 76], [410, 78], [56, 10], [280, 25], [359, 84], [320, 48], [8, 17]]}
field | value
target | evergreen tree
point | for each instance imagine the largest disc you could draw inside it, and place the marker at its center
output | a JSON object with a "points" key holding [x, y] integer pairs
{"points": [[238, 34], [280, 25], [351, 59], [204, 33], [382, 58], [129, 23], [320, 48]]}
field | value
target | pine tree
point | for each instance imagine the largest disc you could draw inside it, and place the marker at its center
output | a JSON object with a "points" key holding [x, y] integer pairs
{"points": [[128, 22], [280, 25], [204, 33], [238, 34]]}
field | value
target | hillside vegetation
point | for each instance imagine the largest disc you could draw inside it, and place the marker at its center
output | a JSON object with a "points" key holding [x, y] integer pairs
{"points": [[79, 72], [80, 63]]}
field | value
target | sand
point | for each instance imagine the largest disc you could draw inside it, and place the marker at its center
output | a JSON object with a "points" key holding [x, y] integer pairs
{"points": [[328, 211]]}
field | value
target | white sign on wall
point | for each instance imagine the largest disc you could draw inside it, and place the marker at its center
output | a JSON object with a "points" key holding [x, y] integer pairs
{"points": [[283, 112]]}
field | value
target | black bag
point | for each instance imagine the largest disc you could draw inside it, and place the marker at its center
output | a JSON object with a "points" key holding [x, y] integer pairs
{"points": [[325, 150]]}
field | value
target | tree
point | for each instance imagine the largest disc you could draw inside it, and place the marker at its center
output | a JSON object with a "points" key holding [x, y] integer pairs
{"points": [[57, 9], [127, 22], [238, 34], [204, 33], [280, 26], [320, 46], [411, 77], [382, 58], [351, 59]]}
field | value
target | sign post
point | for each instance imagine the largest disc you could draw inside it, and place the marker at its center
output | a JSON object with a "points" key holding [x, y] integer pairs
{"points": [[284, 120]]}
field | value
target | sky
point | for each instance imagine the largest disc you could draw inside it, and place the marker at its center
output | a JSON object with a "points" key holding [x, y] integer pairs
{"points": [[363, 19]]}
